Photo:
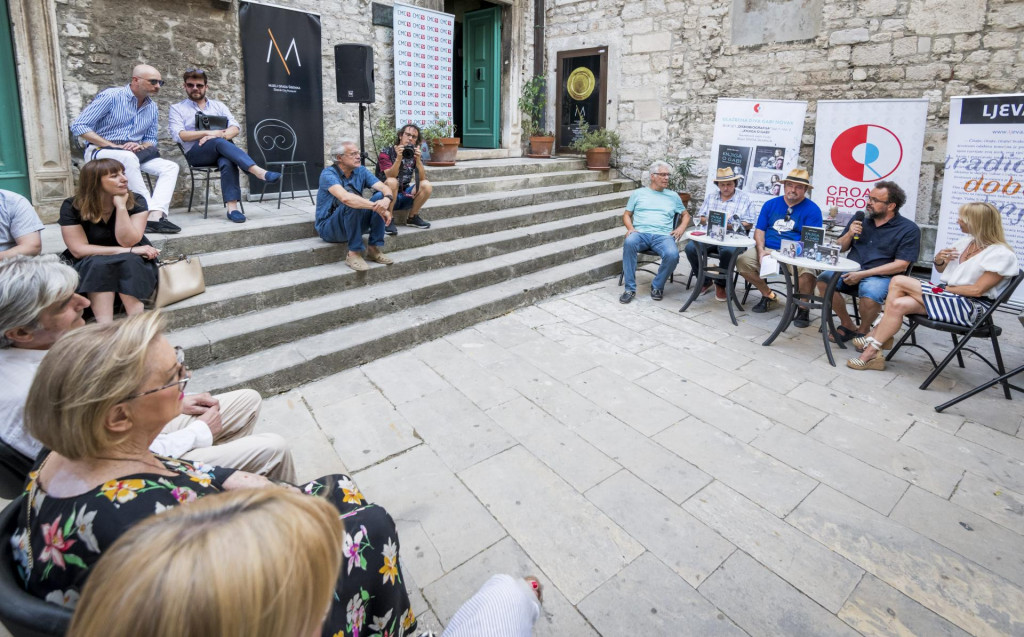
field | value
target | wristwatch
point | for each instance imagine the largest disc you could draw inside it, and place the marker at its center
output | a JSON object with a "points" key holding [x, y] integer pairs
{"points": [[391, 197]]}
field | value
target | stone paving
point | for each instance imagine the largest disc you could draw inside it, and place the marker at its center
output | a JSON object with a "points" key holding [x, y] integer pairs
{"points": [[663, 473]]}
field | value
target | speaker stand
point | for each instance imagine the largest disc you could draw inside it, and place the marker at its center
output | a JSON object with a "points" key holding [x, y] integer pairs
{"points": [[362, 138]]}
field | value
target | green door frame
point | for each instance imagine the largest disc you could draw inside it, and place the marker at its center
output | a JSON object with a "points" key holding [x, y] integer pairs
{"points": [[481, 45], [13, 162]]}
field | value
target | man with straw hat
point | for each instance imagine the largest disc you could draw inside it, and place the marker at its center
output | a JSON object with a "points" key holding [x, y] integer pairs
{"points": [[732, 202], [782, 218]]}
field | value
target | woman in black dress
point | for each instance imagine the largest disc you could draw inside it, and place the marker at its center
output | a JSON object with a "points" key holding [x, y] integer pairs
{"points": [[104, 226]]}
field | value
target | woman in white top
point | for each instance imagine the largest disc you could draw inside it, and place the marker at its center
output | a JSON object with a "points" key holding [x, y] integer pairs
{"points": [[974, 271]]}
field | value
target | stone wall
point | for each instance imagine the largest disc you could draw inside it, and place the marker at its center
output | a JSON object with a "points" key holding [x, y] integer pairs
{"points": [[670, 60]]}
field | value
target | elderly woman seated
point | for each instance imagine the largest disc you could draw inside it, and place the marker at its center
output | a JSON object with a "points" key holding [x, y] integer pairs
{"points": [[100, 396], [974, 272]]}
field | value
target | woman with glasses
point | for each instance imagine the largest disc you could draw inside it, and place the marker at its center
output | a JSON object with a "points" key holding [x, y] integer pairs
{"points": [[99, 398], [104, 228]]}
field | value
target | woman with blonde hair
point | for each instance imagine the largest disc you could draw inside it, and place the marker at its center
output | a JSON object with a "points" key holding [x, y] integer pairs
{"points": [[268, 560], [104, 227], [975, 270], [100, 396]]}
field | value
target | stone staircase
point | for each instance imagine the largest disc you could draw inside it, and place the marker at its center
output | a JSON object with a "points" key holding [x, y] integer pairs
{"points": [[281, 308]]}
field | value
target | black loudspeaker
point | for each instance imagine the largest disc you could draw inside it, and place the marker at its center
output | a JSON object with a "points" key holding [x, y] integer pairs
{"points": [[353, 70]]}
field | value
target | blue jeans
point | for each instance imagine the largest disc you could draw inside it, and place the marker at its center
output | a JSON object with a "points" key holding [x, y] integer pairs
{"points": [[723, 255], [226, 156], [663, 244], [875, 288], [347, 225]]}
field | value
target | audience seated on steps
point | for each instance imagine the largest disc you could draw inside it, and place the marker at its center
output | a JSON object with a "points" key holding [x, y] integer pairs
{"points": [[406, 177], [38, 305], [20, 227], [343, 214]]}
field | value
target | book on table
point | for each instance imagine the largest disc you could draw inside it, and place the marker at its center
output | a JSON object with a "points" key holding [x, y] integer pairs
{"points": [[812, 238], [790, 248], [716, 225]]}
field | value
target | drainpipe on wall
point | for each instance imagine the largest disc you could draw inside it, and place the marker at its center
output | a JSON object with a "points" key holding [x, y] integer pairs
{"points": [[538, 45]]}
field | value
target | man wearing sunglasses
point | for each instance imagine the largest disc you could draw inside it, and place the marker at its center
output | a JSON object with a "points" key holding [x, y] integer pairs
{"points": [[211, 145], [121, 123], [38, 305]]}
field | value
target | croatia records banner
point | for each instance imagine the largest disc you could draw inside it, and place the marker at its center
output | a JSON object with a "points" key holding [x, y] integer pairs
{"points": [[423, 65], [985, 162], [760, 141], [860, 142]]}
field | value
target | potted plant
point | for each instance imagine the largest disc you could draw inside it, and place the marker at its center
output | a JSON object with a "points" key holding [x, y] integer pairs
{"points": [[597, 143], [531, 104], [680, 176], [440, 137], [384, 135]]}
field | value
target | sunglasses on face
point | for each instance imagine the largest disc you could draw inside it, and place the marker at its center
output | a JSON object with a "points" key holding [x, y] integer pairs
{"points": [[152, 82], [194, 85]]}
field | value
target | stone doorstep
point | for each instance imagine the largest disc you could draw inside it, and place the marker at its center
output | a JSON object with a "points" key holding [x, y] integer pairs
{"points": [[463, 187], [247, 262], [487, 168], [283, 367], [280, 288], [236, 336]]}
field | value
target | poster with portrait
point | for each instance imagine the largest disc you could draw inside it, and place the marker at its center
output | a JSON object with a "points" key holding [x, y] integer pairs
{"points": [[760, 141], [423, 64]]}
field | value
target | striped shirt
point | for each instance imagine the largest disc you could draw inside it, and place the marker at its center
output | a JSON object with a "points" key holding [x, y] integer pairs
{"points": [[115, 115], [738, 204], [183, 117]]}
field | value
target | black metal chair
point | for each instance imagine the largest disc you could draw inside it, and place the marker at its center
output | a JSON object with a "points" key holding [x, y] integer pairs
{"points": [[206, 172], [22, 614], [14, 469], [657, 259], [984, 327], [276, 141]]}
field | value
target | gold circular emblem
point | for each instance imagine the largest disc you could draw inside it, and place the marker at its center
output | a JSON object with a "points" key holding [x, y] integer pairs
{"points": [[580, 84]]}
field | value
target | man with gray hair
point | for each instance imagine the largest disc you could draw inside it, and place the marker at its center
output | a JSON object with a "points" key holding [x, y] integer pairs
{"points": [[38, 305], [649, 218], [343, 214]]}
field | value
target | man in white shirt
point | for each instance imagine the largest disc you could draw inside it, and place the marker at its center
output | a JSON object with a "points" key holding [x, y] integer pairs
{"points": [[38, 305], [20, 227]]}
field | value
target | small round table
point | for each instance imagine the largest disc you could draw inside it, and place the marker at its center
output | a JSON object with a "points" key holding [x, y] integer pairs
{"points": [[810, 301], [721, 272]]}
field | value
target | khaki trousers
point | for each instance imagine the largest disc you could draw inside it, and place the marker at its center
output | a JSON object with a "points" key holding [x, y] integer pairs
{"points": [[748, 264]]}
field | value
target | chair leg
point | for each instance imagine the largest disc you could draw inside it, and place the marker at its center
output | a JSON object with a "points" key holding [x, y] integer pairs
{"points": [[913, 341], [280, 188], [747, 287], [305, 178], [206, 209], [945, 361], [999, 361], [191, 193], [622, 276], [856, 311], [690, 278], [959, 356]]}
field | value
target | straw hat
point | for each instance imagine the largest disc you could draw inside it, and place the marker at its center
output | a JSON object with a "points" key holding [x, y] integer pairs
{"points": [[725, 174], [799, 176]]}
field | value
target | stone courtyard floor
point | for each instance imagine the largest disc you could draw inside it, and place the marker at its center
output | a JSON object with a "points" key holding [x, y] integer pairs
{"points": [[664, 473]]}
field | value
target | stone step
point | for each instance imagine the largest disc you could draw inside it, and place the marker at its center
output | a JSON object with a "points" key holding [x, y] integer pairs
{"points": [[217, 341], [463, 187], [283, 367], [278, 289], [242, 263], [486, 169]]}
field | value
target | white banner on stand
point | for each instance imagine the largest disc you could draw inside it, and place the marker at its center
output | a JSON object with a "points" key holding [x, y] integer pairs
{"points": [[985, 162], [759, 140], [423, 65], [860, 142]]}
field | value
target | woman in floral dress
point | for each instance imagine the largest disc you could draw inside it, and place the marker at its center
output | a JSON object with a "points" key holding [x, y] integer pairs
{"points": [[99, 398]]}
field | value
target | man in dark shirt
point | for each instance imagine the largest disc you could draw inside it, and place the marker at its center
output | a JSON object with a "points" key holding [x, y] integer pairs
{"points": [[406, 178], [884, 244]]}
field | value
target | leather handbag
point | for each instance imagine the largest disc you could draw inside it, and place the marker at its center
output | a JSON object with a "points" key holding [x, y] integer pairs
{"points": [[178, 280], [211, 122]]}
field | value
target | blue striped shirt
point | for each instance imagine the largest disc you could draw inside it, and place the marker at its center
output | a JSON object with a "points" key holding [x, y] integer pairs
{"points": [[183, 117], [115, 115], [739, 204]]}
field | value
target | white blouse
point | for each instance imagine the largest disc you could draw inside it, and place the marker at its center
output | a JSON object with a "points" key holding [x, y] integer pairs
{"points": [[995, 258]]}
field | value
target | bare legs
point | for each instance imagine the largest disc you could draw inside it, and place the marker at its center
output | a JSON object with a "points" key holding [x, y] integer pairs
{"points": [[103, 305], [904, 298]]}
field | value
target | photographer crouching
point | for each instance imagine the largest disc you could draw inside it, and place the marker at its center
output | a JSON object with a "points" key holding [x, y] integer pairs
{"points": [[401, 168]]}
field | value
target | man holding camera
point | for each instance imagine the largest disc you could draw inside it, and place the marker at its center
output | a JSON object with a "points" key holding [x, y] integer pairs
{"points": [[401, 168]]}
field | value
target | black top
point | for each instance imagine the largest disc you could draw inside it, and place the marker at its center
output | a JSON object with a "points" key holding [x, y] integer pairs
{"points": [[100, 233], [899, 238]]}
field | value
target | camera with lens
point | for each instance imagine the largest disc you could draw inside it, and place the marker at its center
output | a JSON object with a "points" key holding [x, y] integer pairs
{"points": [[408, 151]]}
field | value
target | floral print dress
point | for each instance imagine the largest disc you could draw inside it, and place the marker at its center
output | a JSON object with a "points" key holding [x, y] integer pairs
{"points": [[58, 540]]}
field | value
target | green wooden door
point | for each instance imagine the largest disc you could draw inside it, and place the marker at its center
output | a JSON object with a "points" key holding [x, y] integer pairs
{"points": [[13, 166], [481, 46]]}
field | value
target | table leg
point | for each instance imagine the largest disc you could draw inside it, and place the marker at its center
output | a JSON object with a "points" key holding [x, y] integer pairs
{"points": [[730, 289], [789, 311], [702, 263], [827, 324]]}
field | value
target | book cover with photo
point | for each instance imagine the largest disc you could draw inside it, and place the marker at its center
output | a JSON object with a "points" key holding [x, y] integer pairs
{"points": [[769, 157], [716, 225], [829, 254], [812, 237], [790, 248], [737, 158]]}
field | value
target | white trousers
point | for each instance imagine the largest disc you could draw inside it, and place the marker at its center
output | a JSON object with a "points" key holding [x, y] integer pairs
{"points": [[165, 171], [505, 606]]}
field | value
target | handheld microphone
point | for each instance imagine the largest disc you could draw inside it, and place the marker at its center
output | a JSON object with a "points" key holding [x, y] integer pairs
{"points": [[858, 216]]}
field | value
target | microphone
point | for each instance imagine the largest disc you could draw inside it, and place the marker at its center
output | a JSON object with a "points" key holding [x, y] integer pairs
{"points": [[858, 216]]}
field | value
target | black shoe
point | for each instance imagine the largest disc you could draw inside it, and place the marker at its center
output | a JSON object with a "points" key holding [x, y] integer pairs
{"points": [[171, 227], [765, 304], [657, 294], [417, 222], [626, 297], [803, 318], [162, 226], [391, 229]]}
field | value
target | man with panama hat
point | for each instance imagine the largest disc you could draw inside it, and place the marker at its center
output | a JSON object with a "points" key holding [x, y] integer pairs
{"points": [[731, 201], [782, 218]]}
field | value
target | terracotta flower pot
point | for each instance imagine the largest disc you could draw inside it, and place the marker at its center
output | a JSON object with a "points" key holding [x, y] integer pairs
{"points": [[443, 151], [685, 196], [599, 158], [541, 145]]}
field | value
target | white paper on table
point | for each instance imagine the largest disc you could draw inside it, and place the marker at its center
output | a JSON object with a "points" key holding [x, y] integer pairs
{"points": [[769, 266]]}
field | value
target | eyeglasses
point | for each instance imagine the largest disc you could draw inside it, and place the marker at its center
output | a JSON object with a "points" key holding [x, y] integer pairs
{"points": [[194, 85], [152, 82], [873, 200], [183, 377], [354, 153], [660, 174]]}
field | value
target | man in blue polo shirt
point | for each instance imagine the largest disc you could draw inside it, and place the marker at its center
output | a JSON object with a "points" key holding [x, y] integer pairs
{"points": [[343, 214], [781, 218], [884, 245], [648, 220]]}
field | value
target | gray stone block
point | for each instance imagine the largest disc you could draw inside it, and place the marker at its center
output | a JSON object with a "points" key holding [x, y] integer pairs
{"points": [[876, 609], [988, 499]]}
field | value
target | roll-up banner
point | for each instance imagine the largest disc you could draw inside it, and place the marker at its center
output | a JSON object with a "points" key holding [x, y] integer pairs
{"points": [[759, 140], [284, 104], [985, 162], [423, 65], [860, 142]]}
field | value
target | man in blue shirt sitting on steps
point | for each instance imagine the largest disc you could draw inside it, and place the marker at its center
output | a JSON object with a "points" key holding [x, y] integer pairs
{"points": [[648, 220]]}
